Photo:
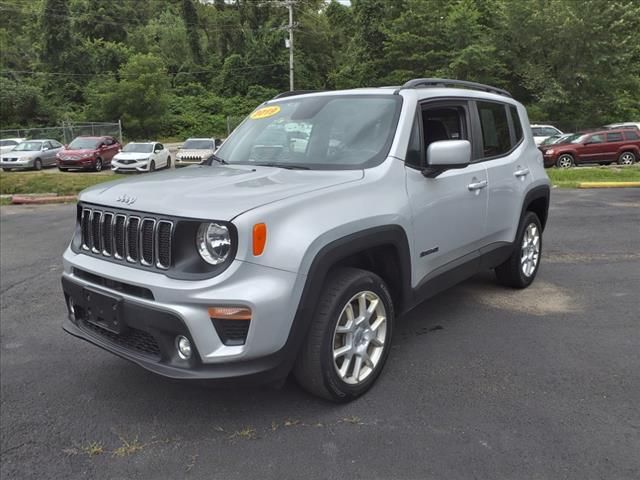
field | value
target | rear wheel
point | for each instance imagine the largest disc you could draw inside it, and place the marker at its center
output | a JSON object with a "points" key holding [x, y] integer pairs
{"points": [[98, 165], [37, 164], [350, 336], [6, 169], [627, 158], [565, 161], [521, 267]]}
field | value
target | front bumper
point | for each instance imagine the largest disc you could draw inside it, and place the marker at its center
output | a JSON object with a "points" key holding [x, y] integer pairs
{"points": [[549, 160], [83, 163], [17, 164], [130, 167], [179, 307], [186, 162]]}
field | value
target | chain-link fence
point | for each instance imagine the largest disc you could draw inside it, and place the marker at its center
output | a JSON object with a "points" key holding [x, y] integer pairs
{"points": [[67, 131]]}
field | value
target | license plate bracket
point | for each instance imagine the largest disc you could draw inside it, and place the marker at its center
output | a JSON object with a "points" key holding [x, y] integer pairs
{"points": [[103, 310]]}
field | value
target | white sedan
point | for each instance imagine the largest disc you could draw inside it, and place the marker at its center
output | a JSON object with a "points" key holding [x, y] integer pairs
{"points": [[141, 157]]}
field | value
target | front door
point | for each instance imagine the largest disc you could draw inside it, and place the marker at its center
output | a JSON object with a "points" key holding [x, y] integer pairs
{"points": [[593, 149], [449, 211]]}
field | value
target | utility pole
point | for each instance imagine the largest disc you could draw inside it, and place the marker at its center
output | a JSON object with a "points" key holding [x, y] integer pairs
{"points": [[290, 5]]}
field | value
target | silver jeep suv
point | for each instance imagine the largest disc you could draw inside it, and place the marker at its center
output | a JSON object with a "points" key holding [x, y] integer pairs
{"points": [[295, 248]]}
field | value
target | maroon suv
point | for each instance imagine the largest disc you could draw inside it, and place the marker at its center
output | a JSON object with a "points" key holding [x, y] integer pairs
{"points": [[88, 153], [604, 147]]}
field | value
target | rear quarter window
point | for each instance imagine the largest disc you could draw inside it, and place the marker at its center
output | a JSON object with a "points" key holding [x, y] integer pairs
{"points": [[517, 126], [631, 135]]}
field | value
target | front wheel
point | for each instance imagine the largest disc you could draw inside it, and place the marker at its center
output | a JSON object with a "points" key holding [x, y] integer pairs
{"points": [[168, 162], [521, 267], [350, 336], [98, 166], [152, 166], [37, 164], [565, 161], [627, 158]]}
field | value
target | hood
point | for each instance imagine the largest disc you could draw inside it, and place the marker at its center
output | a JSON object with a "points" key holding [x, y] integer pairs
{"points": [[213, 192], [20, 154], [132, 156], [85, 151]]}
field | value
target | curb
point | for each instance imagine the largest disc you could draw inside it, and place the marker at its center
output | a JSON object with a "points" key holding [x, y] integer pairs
{"points": [[41, 200], [608, 184]]}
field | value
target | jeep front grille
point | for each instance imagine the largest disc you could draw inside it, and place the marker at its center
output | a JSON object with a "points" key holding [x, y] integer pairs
{"points": [[135, 238]]}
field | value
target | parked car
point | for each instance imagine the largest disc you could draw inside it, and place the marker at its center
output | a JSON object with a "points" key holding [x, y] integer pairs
{"points": [[541, 132], [7, 144], [141, 157], [195, 150], [302, 258], [88, 153], [33, 154], [606, 146]]}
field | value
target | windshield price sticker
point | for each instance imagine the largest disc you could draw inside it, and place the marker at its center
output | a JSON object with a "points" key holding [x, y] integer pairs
{"points": [[265, 112]]}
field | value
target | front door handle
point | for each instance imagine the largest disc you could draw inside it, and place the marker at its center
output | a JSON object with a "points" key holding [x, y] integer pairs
{"points": [[521, 173], [477, 185]]}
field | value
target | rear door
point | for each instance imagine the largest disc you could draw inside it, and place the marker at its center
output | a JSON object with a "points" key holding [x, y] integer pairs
{"points": [[507, 160], [449, 211], [615, 141]]}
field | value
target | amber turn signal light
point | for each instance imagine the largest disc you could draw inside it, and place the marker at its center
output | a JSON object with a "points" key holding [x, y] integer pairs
{"points": [[230, 313], [259, 238]]}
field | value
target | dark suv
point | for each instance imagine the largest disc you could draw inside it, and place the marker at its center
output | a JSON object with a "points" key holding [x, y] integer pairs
{"points": [[604, 147], [88, 153]]}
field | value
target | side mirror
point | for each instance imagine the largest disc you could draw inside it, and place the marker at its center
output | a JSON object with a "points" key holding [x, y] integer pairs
{"points": [[447, 155]]}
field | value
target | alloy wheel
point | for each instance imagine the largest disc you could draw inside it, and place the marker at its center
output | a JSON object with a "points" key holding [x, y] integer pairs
{"points": [[627, 158], [359, 338], [565, 161], [530, 251]]}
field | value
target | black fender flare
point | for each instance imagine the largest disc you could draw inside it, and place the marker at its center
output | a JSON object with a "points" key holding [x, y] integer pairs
{"points": [[536, 193], [322, 264]]}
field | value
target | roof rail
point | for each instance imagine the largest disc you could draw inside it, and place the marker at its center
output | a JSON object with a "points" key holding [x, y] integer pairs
{"points": [[293, 93], [442, 82]]}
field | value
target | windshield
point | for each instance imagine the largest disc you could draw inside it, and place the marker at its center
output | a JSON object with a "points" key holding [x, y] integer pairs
{"points": [[577, 138], [138, 148], [550, 140], [319, 132], [198, 145], [28, 146], [563, 138], [84, 144]]}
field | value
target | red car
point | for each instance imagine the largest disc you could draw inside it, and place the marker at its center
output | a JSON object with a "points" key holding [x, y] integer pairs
{"points": [[88, 153], [607, 146]]}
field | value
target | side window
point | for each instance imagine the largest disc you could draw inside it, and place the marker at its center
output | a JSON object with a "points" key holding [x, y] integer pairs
{"points": [[614, 137], [517, 126], [109, 141], [158, 147], [56, 144], [47, 146], [631, 135], [596, 139], [495, 129]]}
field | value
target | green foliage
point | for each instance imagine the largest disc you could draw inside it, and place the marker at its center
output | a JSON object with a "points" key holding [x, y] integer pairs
{"points": [[185, 67]]}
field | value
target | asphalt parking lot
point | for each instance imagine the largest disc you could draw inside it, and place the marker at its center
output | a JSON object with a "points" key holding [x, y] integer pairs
{"points": [[482, 382]]}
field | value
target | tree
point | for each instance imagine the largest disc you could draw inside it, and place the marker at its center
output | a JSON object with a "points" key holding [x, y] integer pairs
{"points": [[190, 17]]}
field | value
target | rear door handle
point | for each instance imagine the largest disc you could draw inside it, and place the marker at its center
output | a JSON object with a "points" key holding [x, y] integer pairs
{"points": [[521, 173], [477, 185]]}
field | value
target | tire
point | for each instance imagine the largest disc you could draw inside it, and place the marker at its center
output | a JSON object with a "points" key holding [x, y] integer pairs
{"points": [[565, 160], [37, 164], [98, 166], [627, 158], [316, 370], [152, 166], [63, 169], [514, 272], [168, 162]]}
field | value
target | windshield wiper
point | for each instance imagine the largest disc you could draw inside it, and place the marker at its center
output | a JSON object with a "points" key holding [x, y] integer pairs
{"points": [[282, 165], [213, 156]]}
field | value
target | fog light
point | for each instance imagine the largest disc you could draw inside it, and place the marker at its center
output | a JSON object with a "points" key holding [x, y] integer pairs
{"points": [[183, 345]]}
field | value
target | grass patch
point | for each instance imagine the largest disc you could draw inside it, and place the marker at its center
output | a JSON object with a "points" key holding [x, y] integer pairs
{"points": [[12, 183], [571, 177]]}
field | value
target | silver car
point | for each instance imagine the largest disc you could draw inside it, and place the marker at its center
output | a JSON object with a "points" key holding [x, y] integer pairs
{"points": [[279, 255], [32, 154]]}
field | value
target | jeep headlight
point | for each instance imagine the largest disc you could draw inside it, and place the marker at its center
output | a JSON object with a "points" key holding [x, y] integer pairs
{"points": [[213, 242]]}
